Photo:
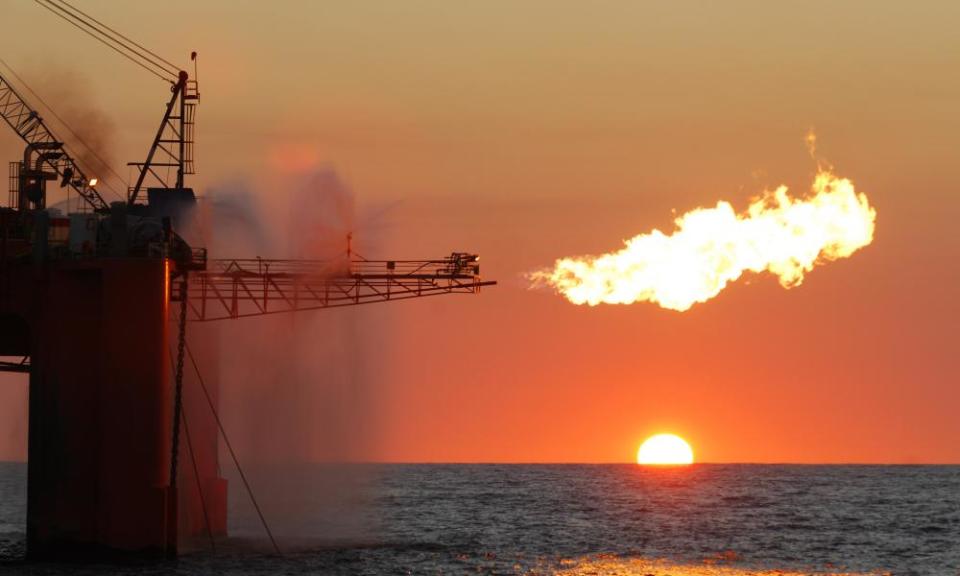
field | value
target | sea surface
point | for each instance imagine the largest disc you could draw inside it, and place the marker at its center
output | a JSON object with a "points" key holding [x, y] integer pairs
{"points": [[572, 519]]}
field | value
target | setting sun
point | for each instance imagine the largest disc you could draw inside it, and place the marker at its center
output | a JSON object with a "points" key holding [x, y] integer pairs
{"points": [[665, 449]]}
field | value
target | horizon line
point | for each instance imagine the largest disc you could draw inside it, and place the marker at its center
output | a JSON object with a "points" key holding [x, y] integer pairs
{"points": [[584, 463]]}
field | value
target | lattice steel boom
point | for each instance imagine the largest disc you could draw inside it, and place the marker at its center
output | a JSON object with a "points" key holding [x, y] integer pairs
{"points": [[254, 287], [29, 125]]}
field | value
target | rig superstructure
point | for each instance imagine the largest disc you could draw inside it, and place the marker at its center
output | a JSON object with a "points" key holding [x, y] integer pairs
{"points": [[94, 305]]}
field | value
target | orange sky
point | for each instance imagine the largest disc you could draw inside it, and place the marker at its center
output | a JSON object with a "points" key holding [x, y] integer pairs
{"points": [[529, 131]]}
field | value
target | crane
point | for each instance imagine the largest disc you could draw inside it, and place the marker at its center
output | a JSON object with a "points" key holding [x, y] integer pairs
{"points": [[174, 140], [44, 158]]}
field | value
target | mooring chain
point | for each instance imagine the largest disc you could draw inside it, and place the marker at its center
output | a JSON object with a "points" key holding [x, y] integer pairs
{"points": [[178, 390], [183, 349]]}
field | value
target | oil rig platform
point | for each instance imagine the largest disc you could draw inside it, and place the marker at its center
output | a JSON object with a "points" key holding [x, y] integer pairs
{"points": [[96, 306]]}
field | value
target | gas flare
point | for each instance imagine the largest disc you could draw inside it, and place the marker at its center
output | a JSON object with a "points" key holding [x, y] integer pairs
{"points": [[712, 247]]}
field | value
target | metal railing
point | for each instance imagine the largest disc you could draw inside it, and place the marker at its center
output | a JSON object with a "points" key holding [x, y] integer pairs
{"points": [[254, 287]]}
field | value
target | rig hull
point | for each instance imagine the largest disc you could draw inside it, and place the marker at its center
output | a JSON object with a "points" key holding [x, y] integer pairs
{"points": [[98, 333]]}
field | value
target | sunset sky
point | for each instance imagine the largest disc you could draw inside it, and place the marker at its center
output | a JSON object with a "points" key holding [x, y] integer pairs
{"points": [[528, 131]]}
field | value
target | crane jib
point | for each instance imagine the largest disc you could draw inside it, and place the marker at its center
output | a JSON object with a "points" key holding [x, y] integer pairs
{"points": [[29, 125]]}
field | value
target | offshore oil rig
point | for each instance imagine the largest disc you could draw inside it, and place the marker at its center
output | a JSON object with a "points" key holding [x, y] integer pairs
{"points": [[96, 304]]}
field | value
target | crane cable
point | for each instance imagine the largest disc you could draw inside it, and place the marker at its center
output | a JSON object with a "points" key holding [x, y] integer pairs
{"points": [[196, 475], [68, 128], [226, 440], [100, 36], [196, 470], [83, 19], [173, 66]]}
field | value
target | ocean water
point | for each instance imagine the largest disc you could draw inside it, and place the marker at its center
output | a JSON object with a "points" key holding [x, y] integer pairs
{"points": [[573, 519]]}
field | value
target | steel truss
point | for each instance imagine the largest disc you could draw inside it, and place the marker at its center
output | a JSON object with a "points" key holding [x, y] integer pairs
{"points": [[172, 148], [255, 287], [28, 124]]}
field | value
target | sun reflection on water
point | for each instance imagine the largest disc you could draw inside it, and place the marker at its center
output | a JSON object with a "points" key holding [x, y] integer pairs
{"points": [[611, 565]]}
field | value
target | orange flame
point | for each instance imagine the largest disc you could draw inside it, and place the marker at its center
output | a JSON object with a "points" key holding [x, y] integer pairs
{"points": [[712, 247]]}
